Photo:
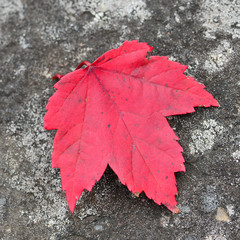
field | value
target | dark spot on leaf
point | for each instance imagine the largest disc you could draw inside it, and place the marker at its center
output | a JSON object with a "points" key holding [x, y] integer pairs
{"points": [[166, 85], [67, 175], [109, 125], [126, 99], [101, 112], [79, 100], [166, 177]]}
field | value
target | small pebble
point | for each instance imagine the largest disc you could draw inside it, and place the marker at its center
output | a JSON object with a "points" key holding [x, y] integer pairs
{"points": [[98, 227], [222, 215]]}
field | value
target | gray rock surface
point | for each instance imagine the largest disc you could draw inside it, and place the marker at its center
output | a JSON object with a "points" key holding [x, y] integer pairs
{"points": [[41, 38]]}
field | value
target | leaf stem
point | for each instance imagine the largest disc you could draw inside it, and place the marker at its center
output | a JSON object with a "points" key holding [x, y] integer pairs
{"points": [[57, 76], [83, 63]]}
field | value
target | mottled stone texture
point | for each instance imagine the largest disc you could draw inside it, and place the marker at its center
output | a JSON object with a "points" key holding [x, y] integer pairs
{"points": [[41, 38]]}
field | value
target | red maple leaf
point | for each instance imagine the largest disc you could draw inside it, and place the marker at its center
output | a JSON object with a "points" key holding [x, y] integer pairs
{"points": [[113, 112]]}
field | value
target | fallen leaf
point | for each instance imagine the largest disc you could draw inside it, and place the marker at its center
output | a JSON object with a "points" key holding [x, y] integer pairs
{"points": [[112, 112]]}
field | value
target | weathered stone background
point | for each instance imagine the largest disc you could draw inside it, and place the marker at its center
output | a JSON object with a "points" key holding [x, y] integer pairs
{"points": [[41, 38]]}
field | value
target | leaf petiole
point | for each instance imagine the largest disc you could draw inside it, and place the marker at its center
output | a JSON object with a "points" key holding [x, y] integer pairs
{"points": [[82, 64], [59, 76]]}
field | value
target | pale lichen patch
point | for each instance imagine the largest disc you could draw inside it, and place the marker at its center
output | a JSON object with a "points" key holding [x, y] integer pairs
{"points": [[30, 172], [9, 7], [219, 57], [215, 237], [101, 10], [203, 138], [220, 16], [236, 154]]}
